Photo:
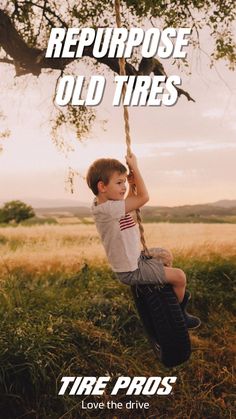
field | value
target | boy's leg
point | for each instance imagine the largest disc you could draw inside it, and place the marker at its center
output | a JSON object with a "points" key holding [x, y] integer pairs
{"points": [[151, 271], [177, 278]]}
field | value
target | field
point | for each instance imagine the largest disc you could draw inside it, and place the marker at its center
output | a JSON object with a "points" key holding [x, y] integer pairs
{"points": [[63, 313], [68, 247]]}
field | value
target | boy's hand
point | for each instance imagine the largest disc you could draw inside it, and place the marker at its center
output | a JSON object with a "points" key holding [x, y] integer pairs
{"points": [[132, 162], [163, 255], [130, 178], [133, 202]]}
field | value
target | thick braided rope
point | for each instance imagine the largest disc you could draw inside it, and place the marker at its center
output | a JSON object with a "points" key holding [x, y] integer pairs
{"points": [[127, 126]]}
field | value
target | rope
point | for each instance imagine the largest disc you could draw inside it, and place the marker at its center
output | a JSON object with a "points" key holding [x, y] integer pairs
{"points": [[127, 128]]}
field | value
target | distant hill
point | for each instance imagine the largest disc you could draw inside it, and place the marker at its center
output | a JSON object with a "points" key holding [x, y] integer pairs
{"points": [[202, 213], [61, 204], [225, 203]]}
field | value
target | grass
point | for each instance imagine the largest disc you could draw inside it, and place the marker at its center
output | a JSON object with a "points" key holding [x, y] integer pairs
{"points": [[67, 247], [75, 319]]}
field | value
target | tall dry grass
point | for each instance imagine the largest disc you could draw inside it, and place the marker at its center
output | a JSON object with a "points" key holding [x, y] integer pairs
{"points": [[68, 247]]}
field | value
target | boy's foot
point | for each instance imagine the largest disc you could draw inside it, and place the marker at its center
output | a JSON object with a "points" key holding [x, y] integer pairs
{"points": [[186, 299], [192, 322]]}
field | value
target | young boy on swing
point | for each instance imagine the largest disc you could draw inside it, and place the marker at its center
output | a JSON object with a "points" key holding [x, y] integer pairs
{"points": [[119, 233]]}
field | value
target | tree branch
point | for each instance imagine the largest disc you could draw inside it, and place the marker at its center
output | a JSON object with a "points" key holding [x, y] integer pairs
{"points": [[47, 9], [32, 60], [16, 47], [152, 65], [6, 61]]}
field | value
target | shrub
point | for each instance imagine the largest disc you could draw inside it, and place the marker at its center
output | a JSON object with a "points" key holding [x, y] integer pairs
{"points": [[15, 211]]}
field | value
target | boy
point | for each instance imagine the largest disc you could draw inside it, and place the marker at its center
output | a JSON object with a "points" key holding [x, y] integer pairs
{"points": [[119, 232]]}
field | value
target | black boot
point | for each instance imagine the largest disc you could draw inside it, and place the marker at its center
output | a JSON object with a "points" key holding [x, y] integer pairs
{"points": [[187, 297], [192, 322]]}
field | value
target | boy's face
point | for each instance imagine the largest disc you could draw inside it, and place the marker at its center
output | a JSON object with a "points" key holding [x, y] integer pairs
{"points": [[116, 188]]}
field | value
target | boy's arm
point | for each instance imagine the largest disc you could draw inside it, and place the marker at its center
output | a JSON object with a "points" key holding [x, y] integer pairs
{"points": [[133, 202], [130, 179]]}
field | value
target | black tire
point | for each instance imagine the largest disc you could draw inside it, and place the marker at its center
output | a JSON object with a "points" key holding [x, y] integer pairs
{"points": [[163, 321]]}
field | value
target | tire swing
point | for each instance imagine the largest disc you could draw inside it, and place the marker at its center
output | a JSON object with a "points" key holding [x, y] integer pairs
{"points": [[158, 309]]}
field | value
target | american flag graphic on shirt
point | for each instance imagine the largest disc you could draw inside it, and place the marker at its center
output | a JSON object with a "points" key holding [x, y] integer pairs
{"points": [[126, 222]]}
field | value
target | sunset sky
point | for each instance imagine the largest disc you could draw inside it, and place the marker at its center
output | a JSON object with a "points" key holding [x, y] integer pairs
{"points": [[187, 153]]}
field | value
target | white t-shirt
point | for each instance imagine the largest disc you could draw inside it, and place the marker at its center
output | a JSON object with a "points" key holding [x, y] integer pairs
{"points": [[119, 234]]}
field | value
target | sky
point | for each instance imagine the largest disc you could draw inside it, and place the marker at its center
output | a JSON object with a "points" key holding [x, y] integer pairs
{"points": [[187, 152]]}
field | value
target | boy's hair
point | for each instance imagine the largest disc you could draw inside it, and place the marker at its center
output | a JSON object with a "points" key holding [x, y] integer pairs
{"points": [[102, 170]]}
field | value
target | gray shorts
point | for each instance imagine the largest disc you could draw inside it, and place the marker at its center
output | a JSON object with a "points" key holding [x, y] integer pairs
{"points": [[150, 271]]}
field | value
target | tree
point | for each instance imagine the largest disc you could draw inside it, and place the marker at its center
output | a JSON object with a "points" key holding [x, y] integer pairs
{"points": [[25, 27], [15, 211]]}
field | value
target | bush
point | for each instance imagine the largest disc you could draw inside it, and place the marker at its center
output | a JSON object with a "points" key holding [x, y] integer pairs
{"points": [[15, 211]]}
